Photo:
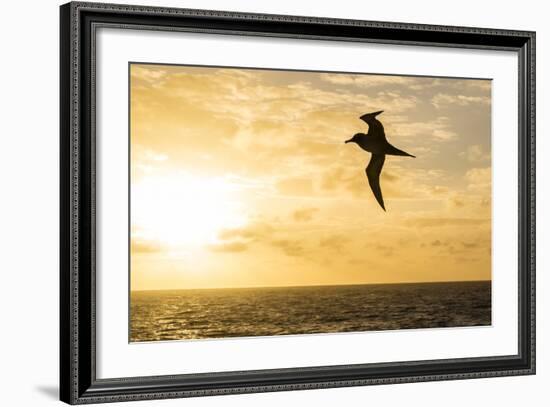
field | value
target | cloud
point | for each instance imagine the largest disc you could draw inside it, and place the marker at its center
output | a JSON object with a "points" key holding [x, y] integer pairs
{"points": [[352, 179], [467, 259], [485, 202], [398, 181], [240, 239], [333, 178], [304, 215], [145, 246], [292, 248], [295, 186], [443, 134], [228, 113], [442, 100], [345, 180], [367, 81], [143, 154], [384, 249], [438, 129], [389, 176], [472, 245], [334, 242], [145, 160], [438, 190], [482, 85], [243, 96], [231, 247], [152, 74], [442, 222], [456, 202], [475, 153], [252, 232], [479, 179]]}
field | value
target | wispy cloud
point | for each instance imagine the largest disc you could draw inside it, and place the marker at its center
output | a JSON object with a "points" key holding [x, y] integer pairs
{"points": [[475, 153], [442, 100], [232, 247], [304, 215], [437, 129]]}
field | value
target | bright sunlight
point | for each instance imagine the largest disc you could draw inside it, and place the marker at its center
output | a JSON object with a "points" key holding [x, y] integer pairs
{"points": [[184, 209]]}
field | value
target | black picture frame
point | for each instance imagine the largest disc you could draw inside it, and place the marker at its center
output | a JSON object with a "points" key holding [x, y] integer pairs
{"points": [[78, 382]]}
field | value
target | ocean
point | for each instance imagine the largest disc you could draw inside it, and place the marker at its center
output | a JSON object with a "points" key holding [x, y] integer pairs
{"points": [[241, 312]]}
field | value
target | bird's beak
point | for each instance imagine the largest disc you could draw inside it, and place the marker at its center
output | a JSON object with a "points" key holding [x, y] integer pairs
{"points": [[348, 141]]}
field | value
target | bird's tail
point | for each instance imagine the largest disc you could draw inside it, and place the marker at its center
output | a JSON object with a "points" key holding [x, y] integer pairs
{"points": [[391, 150]]}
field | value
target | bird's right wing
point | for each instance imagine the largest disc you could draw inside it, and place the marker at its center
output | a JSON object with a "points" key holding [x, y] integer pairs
{"points": [[373, 171], [376, 129], [368, 117]]}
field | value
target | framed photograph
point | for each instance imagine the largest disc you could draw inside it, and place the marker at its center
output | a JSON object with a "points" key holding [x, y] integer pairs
{"points": [[254, 203]]}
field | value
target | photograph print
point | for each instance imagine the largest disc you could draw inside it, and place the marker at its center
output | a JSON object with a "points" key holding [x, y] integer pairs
{"points": [[271, 202]]}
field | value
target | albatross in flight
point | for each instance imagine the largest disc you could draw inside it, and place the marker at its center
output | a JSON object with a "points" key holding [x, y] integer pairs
{"points": [[375, 142]]}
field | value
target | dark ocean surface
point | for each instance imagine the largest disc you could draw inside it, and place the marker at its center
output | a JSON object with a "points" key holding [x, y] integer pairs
{"points": [[237, 312]]}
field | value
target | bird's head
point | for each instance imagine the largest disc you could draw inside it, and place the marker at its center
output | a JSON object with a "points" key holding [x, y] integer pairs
{"points": [[356, 137]]}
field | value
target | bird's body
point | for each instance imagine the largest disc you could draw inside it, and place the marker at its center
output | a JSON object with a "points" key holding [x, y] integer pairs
{"points": [[375, 142], [375, 145]]}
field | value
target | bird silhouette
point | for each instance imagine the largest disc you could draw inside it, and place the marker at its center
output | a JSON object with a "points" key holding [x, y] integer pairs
{"points": [[375, 142]]}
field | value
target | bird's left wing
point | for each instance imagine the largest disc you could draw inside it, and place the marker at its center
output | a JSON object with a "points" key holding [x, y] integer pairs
{"points": [[373, 171]]}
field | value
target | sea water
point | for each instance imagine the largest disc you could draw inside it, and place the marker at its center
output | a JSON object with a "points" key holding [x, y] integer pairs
{"points": [[242, 312]]}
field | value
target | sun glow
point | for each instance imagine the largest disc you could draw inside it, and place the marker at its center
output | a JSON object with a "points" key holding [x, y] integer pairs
{"points": [[184, 209]]}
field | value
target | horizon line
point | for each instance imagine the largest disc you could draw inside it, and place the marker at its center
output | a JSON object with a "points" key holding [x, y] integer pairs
{"points": [[312, 285]]}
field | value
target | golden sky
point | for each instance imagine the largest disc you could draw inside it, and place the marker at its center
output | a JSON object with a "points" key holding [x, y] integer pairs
{"points": [[240, 177]]}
